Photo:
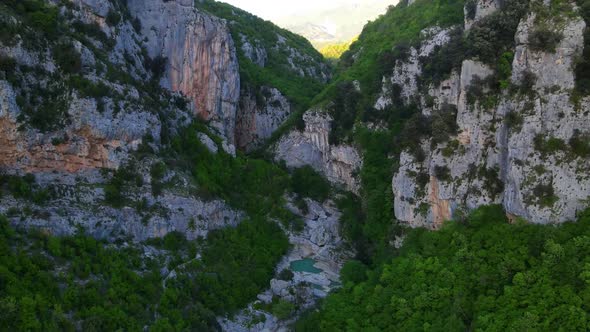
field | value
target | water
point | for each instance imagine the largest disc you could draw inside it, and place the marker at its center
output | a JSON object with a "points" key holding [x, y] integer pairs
{"points": [[304, 265]]}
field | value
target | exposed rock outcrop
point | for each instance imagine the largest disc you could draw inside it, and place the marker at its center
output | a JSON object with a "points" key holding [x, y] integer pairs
{"points": [[497, 156], [93, 139], [254, 51], [475, 10], [311, 147], [260, 115], [84, 198], [201, 57], [406, 73]]}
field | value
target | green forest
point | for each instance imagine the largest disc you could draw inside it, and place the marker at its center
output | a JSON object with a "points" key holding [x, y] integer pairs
{"points": [[70, 283], [481, 273]]}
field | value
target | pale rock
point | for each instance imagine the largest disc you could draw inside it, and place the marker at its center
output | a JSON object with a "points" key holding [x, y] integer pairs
{"points": [[472, 69], [256, 123], [551, 69], [483, 8], [485, 140], [228, 147], [208, 142], [97, 7], [253, 51], [201, 57], [406, 73], [339, 164]]}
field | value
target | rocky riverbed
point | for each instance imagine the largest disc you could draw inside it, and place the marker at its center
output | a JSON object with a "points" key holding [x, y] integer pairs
{"points": [[315, 260]]}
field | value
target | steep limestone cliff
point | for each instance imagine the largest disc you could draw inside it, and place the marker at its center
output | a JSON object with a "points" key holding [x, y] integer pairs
{"points": [[200, 55], [51, 121], [311, 147], [280, 72], [517, 148], [260, 115]]}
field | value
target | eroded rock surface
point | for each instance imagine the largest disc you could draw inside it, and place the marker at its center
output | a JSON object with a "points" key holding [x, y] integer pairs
{"points": [[339, 164], [495, 158], [201, 57], [260, 116]]}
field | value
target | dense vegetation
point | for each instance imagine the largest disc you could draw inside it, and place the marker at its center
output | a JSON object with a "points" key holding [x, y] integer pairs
{"points": [[583, 65], [367, 58], [477, 274], [333, 52], [49, 283], [252, 185]]}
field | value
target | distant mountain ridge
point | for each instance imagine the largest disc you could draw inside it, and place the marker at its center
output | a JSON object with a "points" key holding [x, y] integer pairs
{"points": [[335, 25]]}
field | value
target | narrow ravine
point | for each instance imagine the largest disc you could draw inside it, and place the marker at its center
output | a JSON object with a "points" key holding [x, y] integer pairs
{"points": [[307, 273]]}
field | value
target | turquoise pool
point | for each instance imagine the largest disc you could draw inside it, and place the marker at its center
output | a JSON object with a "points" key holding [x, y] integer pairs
{"points": [[304, 265]]}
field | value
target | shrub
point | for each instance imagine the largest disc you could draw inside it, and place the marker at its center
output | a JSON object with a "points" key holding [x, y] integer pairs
{"points": [[157, 66], [504, 69], [442, 173], [514, 121], [476, 90], [286, 275], [136, 22], [444, 123], [580, 145], [20, 187], [492, 182], [113, 18], [158, 170], [122, 178], [582, 70], [354, 271], [283, 309], [550, 145], [67, 58], [414, 130], [7, 64], [439, 65], [88, 88], [544, 40], [307, 182], [471, 9], [94, 31], [545, 195], [494, 35], [527, 82], [344, 112]]}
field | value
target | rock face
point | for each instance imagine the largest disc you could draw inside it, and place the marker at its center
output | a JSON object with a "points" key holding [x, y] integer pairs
{"points": [[80, 204], [254, 51], [95, 131], [102, 114], [201, 57], [260, 116], [478, 10], [406, 73], [498, 156], [311, 147]]}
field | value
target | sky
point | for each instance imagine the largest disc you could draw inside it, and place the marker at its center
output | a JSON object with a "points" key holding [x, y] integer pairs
{"points": [[275, 9], [323, 22]]}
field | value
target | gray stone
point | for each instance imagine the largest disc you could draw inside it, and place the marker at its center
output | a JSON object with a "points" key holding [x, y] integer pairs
{"points": [[338, 164]]}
